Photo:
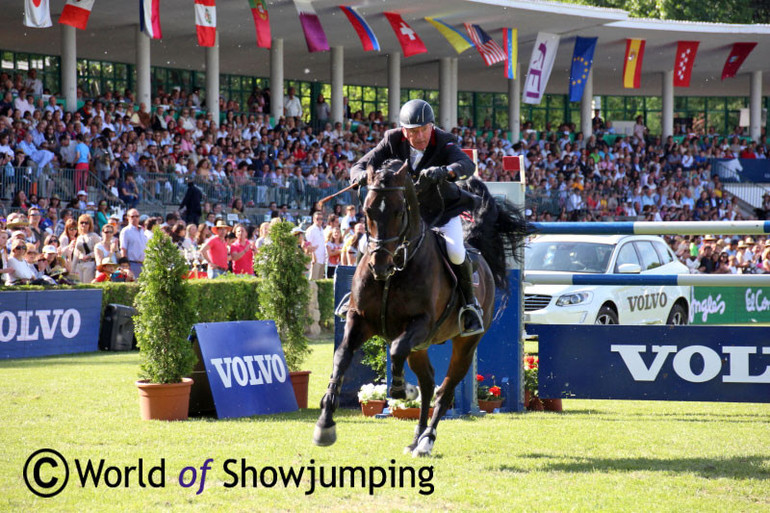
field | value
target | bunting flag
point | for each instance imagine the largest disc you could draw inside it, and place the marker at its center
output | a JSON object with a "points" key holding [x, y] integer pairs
{"points": [[735, 60], [261, 23], [540, 66], [457, 39], [411, 44], [582, 59], [632, 66], [685, 58], [364, 31], [488, 48], [511, 48], [76, 13], [206, 22], [315, 37], [149, 18], [37, 13]]}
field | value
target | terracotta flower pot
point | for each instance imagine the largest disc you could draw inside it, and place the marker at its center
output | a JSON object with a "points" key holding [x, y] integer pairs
{"points": [[552, 404], [300, 381], [373, 407], [168, 401], [408, 413], [535, 404], [489, 406]]}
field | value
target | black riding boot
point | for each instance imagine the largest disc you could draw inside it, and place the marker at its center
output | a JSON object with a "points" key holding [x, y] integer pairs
{"points": [[471, 315]]}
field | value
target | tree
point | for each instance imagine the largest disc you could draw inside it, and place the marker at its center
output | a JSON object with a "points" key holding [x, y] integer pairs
{"points": [[724, 11]]}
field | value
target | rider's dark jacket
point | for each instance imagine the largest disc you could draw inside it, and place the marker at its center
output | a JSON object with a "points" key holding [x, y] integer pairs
{"points": [[442, 150]]}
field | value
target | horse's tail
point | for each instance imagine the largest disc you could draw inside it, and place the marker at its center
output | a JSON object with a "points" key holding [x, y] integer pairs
{"points": [[497, 230]]}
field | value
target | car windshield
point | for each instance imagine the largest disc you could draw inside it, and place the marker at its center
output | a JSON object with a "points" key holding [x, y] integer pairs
{"points": [[581, 257]]}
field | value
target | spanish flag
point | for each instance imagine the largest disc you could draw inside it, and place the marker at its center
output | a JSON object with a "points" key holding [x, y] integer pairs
{"points": [[632, 66]]}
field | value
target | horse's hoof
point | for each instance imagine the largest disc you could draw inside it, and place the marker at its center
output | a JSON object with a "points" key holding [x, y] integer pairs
{"points": [[408, 449], [324, 437], [397, 392], [423, 449]]}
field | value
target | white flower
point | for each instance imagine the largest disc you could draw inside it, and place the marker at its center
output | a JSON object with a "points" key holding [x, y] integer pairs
{"points": [[371, 392]]}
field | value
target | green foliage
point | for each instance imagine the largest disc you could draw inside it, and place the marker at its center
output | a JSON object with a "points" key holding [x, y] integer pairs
{"points": [[284, 291], [326, 302], [166, 313], [374, 355], [724, 11]]}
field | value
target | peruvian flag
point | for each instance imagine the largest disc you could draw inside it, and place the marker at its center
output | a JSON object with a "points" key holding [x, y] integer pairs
{"points": [[76, 13], [149, 18], [37, 13], [206, 22], [411, 44], [734, 61], [685, 58]]}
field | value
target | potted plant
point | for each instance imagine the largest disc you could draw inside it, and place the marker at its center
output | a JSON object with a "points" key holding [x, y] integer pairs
{"points": [[283, 297], [162, 326], [489, 397], [410, 408], [531, 397], [372, 398]]}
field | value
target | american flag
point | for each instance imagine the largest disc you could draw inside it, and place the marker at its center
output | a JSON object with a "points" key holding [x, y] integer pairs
{"points": [[487, 47]]}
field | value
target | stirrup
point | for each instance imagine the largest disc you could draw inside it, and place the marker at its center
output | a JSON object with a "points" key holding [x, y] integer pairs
{"points": [[475, 310], [342, 309]]}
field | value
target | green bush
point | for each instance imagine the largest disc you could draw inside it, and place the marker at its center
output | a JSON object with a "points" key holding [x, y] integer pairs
{"points": [[166, 313], [326, 302], [284, 291]]}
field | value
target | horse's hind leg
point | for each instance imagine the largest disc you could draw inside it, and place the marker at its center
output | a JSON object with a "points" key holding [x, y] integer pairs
{"points": [[462, 356], [357, 331], [420, 365]]}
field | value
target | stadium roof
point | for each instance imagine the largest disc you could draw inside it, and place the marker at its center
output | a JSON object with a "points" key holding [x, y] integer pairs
{"points": [[111, 36]]}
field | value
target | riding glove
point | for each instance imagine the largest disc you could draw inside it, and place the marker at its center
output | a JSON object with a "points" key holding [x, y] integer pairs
{"points": [[435, 174], [360, 181]]}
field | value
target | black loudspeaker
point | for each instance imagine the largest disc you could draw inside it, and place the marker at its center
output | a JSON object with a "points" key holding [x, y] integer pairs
{"points": [[117, 333]]}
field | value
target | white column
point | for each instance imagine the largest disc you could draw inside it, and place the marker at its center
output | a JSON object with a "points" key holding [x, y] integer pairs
{"points": [[276, 78], [444, 93], [394, 86], [453, 93], [143, 84], [586, 112], [667, 118], [212, 79], [69, 69], [755, 106], [338, 77], [514, 105]]}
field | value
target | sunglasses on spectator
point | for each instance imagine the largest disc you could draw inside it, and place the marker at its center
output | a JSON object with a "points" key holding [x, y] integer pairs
{"points": [[19, 248], [85, 223]]}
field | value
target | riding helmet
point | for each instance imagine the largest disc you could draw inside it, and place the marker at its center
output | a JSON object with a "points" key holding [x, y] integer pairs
{"points": [[415, 113]]}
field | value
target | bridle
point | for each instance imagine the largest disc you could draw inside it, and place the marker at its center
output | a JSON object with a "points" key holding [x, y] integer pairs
{"points": [[404, 242]]}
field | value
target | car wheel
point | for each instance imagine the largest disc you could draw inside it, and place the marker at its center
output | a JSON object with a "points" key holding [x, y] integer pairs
{"points": [[677, 315], [606, 316]]}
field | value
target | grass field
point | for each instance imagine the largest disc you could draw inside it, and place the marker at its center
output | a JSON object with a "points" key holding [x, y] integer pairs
{"points": [[596, 456]]}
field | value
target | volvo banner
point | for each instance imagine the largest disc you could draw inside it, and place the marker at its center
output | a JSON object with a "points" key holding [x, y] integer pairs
{"points": [[44, 323], [245, 368], [672, 363]]}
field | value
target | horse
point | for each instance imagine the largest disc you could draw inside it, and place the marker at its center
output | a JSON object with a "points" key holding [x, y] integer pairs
{"points": [[404, 291]]}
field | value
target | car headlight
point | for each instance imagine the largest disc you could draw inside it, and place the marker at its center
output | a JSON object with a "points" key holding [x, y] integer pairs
{"points": [[574, 298]]}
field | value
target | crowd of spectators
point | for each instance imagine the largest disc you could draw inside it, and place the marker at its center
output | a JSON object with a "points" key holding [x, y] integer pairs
{"points": [[133, 148]]}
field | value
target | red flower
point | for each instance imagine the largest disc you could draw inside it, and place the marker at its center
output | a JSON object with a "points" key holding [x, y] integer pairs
{"points": [[495, 391], [479, 378], [531, 362]]}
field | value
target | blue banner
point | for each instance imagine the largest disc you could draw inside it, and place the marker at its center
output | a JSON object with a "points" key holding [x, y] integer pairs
{"points": [[44, 323], [246, 368], [672, 363], [582, 59], [741, 170]]}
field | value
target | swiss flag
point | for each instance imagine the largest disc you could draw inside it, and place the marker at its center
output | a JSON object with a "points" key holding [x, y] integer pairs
{"points": [[411, 44], [685, 58]]}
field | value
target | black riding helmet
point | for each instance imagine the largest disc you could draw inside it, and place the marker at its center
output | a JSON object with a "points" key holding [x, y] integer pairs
{"points": [[415, 113]]}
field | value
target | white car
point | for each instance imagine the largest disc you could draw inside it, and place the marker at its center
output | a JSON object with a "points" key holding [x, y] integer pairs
{"points": [[604, 304]]}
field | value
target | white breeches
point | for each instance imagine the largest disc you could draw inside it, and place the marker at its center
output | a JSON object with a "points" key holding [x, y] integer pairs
{"points": [[453, 234]]}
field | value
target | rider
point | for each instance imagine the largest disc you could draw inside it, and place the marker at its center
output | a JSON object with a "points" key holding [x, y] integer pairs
{"points": [[435, 158]]}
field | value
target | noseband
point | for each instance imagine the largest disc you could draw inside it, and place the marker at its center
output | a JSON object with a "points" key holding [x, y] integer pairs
{"points": [[403, 241]]}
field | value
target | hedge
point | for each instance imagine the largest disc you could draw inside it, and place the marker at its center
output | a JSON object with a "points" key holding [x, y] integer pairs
{"points": [[229, 298]]}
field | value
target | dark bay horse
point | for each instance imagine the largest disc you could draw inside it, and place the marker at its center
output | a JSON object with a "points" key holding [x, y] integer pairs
{"points": [[404, 291]]}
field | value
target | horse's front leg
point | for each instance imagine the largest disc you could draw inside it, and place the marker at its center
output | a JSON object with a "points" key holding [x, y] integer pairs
{"points": [[357, 331], [414, 334], [420, 365]]}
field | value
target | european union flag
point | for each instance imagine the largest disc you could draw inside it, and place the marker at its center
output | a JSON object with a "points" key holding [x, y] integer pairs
{"points": [[582, 58]]}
